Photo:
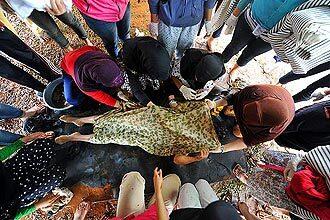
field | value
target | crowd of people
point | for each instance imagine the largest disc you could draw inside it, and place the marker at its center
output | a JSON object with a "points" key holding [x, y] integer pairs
{"points": [[169, 115]]}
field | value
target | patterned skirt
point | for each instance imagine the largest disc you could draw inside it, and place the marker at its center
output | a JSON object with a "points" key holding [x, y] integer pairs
{"points": [[33, 170], [160, 131]]}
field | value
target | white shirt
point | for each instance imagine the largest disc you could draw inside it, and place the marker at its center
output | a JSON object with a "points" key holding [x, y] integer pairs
{"points": [[24, 8]]}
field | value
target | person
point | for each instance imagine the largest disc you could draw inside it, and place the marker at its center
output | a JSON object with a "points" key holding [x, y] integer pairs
{"points": [[9, 112], [178, 30], [145, 55], [224, 9], [200, 202], [199, 68], [304, 190], [131, 204], [309, 128], [15, 48], [39, 12], [109, 20], [306, 93], [190, 132], [94, 73], [28, 172], [320, 93], [251, 28]]}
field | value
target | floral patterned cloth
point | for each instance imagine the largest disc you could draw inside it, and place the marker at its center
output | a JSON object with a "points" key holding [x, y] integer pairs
{"points": [[161, 131]]}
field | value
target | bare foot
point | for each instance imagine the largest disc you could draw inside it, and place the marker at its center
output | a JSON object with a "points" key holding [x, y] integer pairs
{"points": [[209, 43], [70, 119], [81, 211], [88, 42], [240, 174], [65, 138], [33, 111]]}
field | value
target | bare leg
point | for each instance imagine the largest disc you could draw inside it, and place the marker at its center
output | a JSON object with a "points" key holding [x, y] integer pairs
{"points": [[78, 121], [209, 43], [232, 70], [73, 137]]}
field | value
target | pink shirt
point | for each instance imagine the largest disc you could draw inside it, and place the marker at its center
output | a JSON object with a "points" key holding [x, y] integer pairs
{"points": [[149, 214], [104, 10]]}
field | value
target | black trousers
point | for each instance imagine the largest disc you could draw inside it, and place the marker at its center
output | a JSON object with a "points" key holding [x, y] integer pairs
{"points": [[47, 23], [243, 37], [14, 47]]}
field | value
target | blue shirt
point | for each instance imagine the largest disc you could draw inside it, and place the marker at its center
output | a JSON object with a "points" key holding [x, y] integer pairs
{"points": [[269, 12], [180, 13]]}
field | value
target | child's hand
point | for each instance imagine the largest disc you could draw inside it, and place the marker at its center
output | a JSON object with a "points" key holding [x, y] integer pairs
{"points": [[158, 180]]}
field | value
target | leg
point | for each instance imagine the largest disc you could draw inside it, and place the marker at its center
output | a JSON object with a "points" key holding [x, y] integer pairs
{"points": [[72, 93], [78, 121], [186, 39], [206, 193], [253, 49], [123, 26], [47, 23], [215, 35], [241, 37], [14, 47], [169, 37], [170, 191], [131, 195], [188, 197], [71, 20], [73, 137], [306, 93], [7, 137], [18, 75], [8, 112], [107, 31], [290, 76]]}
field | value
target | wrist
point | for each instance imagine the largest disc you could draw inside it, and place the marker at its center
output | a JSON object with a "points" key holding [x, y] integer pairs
{"points": [[154, 18]]}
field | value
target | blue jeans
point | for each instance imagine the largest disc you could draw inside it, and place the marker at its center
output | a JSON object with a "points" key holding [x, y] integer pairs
{"points": [[8, 112], [72, 93], [110, 32]]}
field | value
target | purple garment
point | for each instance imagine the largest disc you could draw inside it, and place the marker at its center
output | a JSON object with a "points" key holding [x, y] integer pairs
{"points": [[95, 70]]}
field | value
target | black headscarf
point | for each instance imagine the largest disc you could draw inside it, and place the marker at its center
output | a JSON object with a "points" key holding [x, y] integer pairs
{"points": [[145, 55], [199, 66]]}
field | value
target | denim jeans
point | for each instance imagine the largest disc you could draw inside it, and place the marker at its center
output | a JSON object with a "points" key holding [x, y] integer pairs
{"points": [[8, 112], [243, 37], [47, 23], [72, 93], [111, 32]]}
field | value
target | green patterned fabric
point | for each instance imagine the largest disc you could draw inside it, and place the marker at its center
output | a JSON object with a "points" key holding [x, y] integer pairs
{"points": [[160, 131]]}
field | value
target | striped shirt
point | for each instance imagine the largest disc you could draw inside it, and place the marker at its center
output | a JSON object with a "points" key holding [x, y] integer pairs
{"points": [[297, 40]]}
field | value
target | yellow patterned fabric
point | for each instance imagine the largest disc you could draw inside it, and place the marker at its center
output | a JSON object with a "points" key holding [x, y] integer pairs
{"points": [[161, 131], [6, 22]]}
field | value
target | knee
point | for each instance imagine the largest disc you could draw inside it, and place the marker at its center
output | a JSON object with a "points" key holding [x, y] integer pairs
{"points": [[187, 187], [201, 183], [133, 176]]}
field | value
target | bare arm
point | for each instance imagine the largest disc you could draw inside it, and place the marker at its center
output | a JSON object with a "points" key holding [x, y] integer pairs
{"points": [[232, 146], [161, 208], [185, 159], [176, 82]]}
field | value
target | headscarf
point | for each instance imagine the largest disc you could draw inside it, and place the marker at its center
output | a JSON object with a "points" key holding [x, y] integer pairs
{"points": [[199, 66], [95, 69], [145, 55], [263, 112]]}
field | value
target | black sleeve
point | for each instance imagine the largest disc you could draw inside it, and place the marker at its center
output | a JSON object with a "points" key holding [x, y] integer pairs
{"points": [[136, 88]]}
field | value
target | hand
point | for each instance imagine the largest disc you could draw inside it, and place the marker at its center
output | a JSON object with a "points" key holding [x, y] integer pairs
{"points": [[153, 29], [203, 155], [46, 201], [208, 27], [319, 93], [158, 180], [289, 171], [57, 7], [150, 104], [188, 93], [223, 80], [211, 104], [206, 90], [37, 135], [231, 23]]}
